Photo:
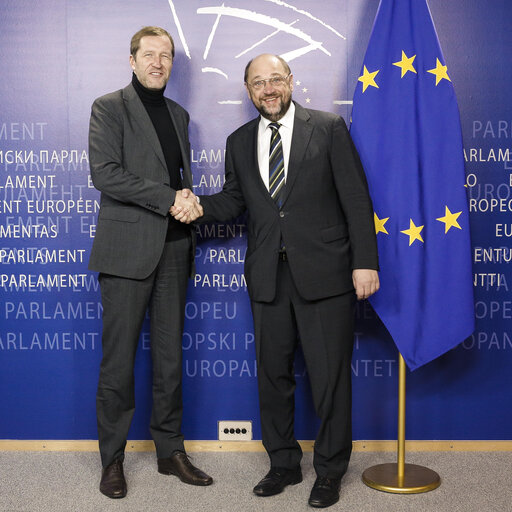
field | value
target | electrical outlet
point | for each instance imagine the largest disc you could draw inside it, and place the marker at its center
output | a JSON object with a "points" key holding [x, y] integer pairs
{"points": [[235, 430]]}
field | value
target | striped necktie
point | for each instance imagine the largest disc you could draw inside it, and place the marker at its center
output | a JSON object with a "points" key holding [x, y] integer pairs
{"points": [[276, 164]]}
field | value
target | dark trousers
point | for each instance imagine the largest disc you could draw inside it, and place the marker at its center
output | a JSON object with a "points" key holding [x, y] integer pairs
{"points": [[125, 302], [325, 330]]}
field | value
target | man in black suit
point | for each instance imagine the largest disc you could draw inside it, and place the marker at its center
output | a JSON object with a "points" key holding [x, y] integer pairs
{"points": [[139, 158], [311, 242]]}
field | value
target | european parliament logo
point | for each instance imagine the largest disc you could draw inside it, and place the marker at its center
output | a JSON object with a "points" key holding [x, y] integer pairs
{"points": [[232, 34]]}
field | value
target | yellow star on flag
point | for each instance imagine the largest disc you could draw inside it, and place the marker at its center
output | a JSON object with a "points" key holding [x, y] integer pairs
{"points": [[405, 64], [379, 224], [440, 72], [413, 232], [450, 220], [368, 78]]}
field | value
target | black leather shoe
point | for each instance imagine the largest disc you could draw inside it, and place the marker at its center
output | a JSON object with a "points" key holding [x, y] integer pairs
{"points": [[325, 492], [112, 482], [179, 465], [276, 480]]}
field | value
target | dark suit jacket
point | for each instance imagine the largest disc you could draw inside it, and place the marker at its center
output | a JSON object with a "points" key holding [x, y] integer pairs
{"points": [[326, 219], [128, 167]]}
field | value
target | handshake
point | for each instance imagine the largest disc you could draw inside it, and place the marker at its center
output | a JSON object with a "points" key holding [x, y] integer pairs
{"points": [[186, 207]]}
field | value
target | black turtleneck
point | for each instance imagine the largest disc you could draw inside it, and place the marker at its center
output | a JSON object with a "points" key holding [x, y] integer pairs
{"points": [[156, 107], [154, 102]]}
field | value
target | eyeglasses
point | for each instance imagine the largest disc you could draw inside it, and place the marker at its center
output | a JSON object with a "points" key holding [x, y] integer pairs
{"points": [[275, 81]]}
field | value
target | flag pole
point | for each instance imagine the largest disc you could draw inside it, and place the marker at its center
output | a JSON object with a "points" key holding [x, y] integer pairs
{"points": [[399, 477]]}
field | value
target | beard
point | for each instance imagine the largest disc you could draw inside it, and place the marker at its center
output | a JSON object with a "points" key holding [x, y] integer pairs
{"points": [[275, 116]]}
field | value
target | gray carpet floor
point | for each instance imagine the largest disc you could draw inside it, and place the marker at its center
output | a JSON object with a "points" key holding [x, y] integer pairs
{"points": [[68, 481]]}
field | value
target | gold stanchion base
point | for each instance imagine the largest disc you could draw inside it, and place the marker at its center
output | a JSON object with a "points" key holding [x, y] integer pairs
{"points": [[416, 479]]}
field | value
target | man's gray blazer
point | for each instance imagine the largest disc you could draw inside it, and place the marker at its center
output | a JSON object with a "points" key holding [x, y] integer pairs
{"points": [[128, 167]]}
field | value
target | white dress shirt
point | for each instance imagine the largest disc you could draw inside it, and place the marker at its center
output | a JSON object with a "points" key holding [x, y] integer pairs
{"points": [[264, 136]]}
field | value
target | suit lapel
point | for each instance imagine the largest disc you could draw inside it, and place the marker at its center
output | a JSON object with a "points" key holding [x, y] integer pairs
{"points": [[253, 167], [182, 133], [139, 113], [302, 131]]}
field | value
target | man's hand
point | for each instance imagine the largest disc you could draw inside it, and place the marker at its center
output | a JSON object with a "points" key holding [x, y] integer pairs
{"points": [[366, 282], [186, 208]]}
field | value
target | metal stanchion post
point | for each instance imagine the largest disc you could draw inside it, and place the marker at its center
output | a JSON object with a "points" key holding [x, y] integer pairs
{"points": [[399, 477]]}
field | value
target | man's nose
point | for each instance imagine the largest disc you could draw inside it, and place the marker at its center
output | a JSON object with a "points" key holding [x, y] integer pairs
{"points": [[268, 88]]}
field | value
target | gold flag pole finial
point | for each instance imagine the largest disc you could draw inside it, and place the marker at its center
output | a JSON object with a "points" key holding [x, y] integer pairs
{"points": [[399, 477]]}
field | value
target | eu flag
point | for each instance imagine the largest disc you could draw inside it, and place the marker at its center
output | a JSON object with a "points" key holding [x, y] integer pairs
{"points": [[406, 127]]}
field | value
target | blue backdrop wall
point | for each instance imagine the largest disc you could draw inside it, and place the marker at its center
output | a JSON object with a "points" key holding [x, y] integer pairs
{"points": [[57, 56]]}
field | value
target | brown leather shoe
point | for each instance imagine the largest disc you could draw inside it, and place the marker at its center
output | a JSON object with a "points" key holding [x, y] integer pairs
{"points": [[178, 464], [112, 482]]}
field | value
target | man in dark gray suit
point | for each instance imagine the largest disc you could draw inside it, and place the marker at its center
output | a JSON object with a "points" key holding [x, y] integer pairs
{"points": [[139, 158], [311, 243]]}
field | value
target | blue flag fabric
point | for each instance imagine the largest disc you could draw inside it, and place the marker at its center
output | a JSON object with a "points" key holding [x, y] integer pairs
{"points": [[406, 127]]}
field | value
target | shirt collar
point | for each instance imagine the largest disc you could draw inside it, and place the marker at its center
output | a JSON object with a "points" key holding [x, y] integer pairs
{"points": [[286, 120]]}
